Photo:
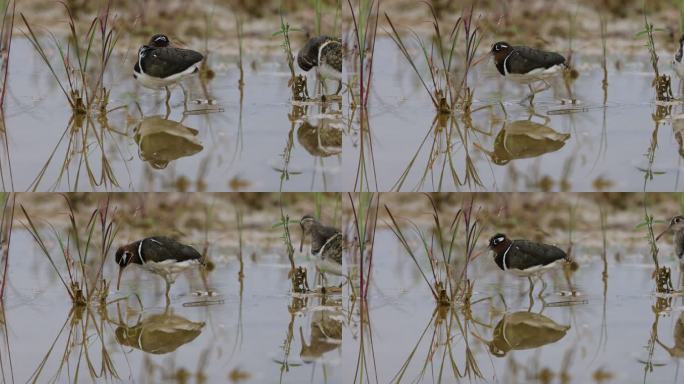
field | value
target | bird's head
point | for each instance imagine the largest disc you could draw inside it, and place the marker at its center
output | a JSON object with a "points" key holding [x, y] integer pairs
{"points": [[159, 41], [306, 223], [498, 243], [500, 50], [678, 55], [123, 257], [676, 225]]}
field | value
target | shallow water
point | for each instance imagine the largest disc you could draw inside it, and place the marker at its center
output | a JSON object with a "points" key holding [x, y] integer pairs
{"points": [[593, 334], [245, 335], [583, 147], [239, 146]]}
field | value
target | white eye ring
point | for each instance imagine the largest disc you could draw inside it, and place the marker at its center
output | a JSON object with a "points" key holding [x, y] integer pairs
{"points": [[126, 256]]}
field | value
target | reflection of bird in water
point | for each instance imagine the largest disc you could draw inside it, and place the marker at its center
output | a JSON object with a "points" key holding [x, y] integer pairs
{"points": [[676, 227], [326, 333], [325, 53], [161, 141], [321, 140], [160, 66], [159, 333], [159, 255], [524, 330], [524, 139], [326, 244], [677, 350]]}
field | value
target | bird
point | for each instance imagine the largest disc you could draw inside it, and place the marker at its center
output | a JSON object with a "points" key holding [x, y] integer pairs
{"points": [[160, 255], [325, 53], [677, 64], [525, 258], [526, 65], [326, 244], [160, 65], [676, 226]]}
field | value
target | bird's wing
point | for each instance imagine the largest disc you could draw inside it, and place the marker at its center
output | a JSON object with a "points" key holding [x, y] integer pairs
{"points": [[525, 254], [332, 54], [523, 59], [159, 248], [332, 249], [168, 61]]}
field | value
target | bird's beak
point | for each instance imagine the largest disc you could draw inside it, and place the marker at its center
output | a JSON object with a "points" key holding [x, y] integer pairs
{"points": [[663, 232], [480, 59], [118, 281], [301, 242]]}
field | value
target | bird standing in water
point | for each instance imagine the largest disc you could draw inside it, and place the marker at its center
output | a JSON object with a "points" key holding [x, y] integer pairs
{"points": [[525, 65], [160, 65], [677, 64], [526, 258], [325, 53], [159, 255], [676, 227], [326, 244]]}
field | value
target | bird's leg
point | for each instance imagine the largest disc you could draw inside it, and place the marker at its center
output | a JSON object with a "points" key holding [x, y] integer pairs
{"points": [[168, 289], [529, 278], [531, 94], [529, 97], [543, 287], [339, 87], [325, 279], [545, 87], [185, 98], [167, 102]]}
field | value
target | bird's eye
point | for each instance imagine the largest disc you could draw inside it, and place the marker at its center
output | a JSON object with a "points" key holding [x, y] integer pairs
{"points": [[497, 47]]}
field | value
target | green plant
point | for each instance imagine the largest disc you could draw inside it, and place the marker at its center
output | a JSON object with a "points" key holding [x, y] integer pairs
{"points": [[84, 85], [661, 83], [297, 83], [81, 282], [446, 92], [365, 223], [6, 226], [365, 31], [238, 27], [446, 285]]}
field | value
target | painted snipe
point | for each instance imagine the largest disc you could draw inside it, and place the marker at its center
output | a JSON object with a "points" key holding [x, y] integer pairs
{"points": [[525, 258], [326, 244], [160, 255], [526, 65], [677, 63], [325, 53], [160, 65], [676, 227]]}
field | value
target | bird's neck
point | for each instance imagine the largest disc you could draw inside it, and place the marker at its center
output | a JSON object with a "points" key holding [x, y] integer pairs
{"points": [[500, 253], [135, 258], [679, 243]]}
